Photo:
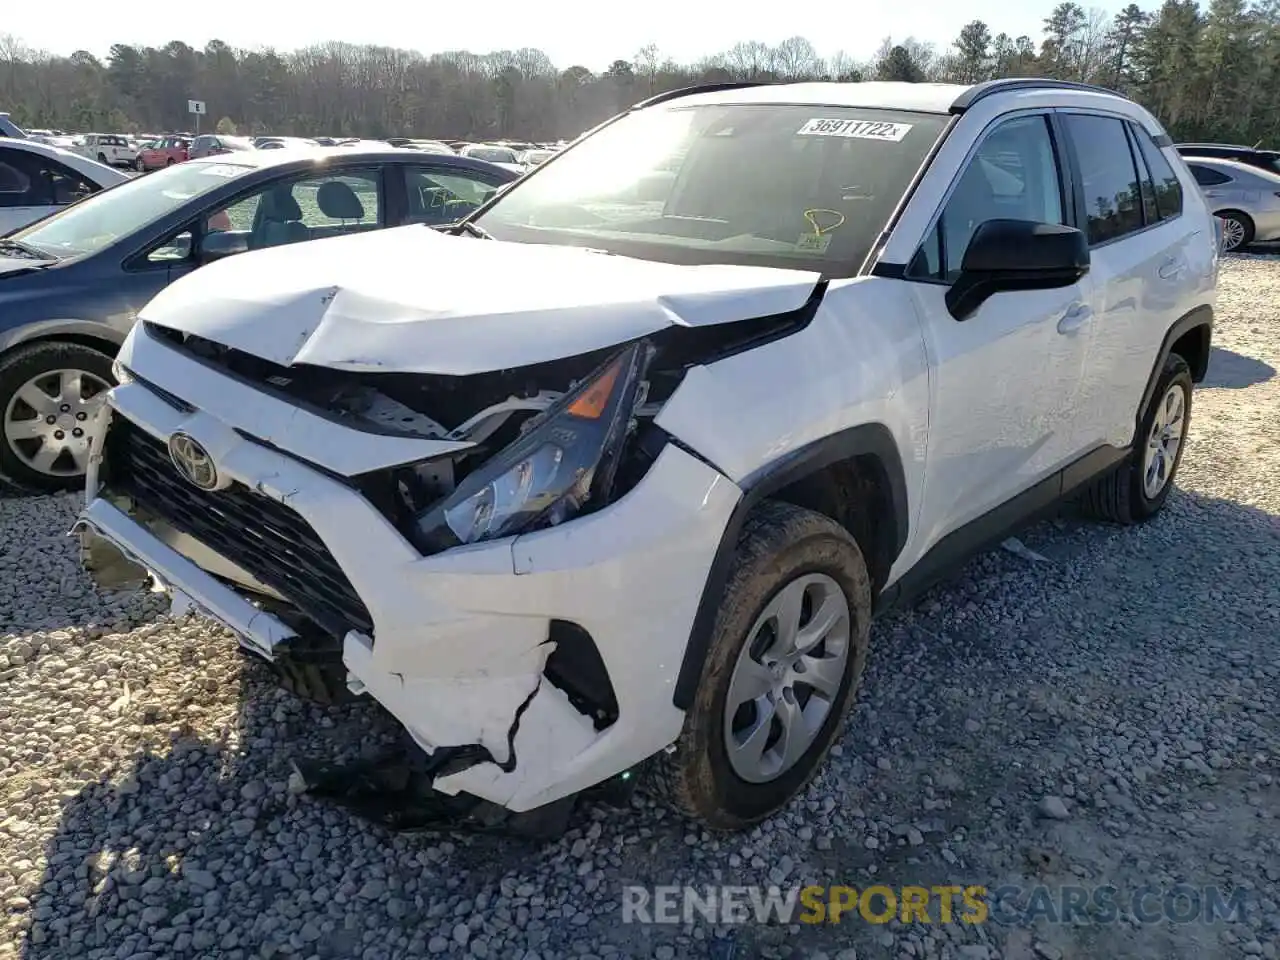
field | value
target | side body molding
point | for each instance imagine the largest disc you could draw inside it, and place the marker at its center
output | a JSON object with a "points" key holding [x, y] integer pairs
{"points": [[870, 439]]}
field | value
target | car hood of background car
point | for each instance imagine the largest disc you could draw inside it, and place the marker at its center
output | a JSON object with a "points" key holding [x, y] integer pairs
{"points": [[415, 300]]}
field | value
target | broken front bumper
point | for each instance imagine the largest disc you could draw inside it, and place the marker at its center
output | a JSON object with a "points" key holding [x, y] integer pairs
{"points": [[461, 637]]}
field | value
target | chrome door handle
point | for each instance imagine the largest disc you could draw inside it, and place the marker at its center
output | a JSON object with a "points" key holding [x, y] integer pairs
{"points": [[1074, 318]]}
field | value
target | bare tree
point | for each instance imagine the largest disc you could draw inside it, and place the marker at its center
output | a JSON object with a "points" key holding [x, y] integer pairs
{"points": [[1208, 72]]}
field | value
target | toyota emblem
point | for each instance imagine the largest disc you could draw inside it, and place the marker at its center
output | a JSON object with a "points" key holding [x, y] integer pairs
{"points": [[193, 461]]}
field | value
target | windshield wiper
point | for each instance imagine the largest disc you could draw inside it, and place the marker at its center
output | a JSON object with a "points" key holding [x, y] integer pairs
{"points": [[472, 229], [16, 248]]}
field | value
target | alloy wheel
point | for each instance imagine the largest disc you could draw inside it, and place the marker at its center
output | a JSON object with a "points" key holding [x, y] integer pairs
{"points": [[787, 677], [1232, 233], [1163, 441], [48, 419]]}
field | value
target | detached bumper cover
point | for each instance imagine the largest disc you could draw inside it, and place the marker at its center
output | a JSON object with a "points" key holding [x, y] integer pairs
{"points": [[461, 637]]}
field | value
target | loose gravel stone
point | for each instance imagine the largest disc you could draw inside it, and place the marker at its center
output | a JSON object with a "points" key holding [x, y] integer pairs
{"points": [[147, 807]]}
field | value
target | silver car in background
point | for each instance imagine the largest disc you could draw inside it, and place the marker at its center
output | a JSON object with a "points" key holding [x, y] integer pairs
{"points": [[1246, 198]]}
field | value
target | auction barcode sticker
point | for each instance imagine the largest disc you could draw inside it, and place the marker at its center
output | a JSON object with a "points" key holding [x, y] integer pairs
{"points": [[858, 129]]}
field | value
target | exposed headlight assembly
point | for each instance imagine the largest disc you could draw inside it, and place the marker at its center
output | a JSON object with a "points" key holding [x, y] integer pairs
{"points": [[566, 458]]}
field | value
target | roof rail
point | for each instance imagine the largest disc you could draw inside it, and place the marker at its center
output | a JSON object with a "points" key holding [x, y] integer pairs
{"points": [[980, 91], [700, 88], [1219, 146]]}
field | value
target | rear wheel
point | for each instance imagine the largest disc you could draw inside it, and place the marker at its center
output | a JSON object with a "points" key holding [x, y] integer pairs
{"points": [[1237, 230], [102, 158], [49, 394], [1137, 489], [169, 162], [787, 652]]}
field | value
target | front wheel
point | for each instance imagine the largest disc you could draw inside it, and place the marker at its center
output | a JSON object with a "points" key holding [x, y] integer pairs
{"points": [[788, 649], [49, 394], [1137, 489]]}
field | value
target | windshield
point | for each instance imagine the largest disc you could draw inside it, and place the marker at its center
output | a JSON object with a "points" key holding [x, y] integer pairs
{"points": [[805, 187], [104, 218]]}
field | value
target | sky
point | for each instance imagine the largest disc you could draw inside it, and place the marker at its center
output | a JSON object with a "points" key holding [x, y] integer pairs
{"points": [[589, 32]]}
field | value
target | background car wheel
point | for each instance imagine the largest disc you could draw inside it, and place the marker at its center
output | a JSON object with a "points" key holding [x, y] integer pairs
{"points": [[787, 652], [49, 393], [1138, 488], [1237, 230], [102, 158], [169, 162]]}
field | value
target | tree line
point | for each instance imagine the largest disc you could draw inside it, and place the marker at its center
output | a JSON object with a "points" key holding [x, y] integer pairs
{"points": [[1209, 73]]}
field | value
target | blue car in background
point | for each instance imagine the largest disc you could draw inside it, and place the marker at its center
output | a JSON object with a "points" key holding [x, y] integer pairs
{"points": [[71, 285]]}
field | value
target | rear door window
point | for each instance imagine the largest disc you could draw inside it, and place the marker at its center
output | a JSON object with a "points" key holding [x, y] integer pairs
{"points": [[1206, 177], [1112, 195], [1167, 185], [29, 180]]}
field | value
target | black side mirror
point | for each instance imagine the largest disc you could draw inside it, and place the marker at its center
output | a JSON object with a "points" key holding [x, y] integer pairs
{"points": [[223, 243], [1016, 255]]}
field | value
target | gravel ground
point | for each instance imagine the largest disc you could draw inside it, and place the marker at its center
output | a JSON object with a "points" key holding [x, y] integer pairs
{"points": [[1100, 711]]}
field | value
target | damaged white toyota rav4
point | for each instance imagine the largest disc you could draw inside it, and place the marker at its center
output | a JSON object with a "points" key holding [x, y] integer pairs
{"points": [[620, 468]]}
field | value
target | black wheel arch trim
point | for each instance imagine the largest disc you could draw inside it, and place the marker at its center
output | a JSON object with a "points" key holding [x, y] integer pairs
{"points": [[1201, 316], [870, 439]]}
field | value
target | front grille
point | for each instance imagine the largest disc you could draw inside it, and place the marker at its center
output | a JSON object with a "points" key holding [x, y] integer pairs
{"points": [[261, 535]]}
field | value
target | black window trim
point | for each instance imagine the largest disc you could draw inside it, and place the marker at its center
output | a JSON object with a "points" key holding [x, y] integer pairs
{"points": [[1110, 115], [1066, 183]]}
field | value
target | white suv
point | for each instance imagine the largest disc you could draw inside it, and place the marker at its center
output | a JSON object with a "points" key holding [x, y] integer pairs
{"points": [[624, 468]]}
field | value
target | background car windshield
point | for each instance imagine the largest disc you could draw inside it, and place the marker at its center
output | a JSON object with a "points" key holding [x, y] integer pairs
{"points": [[805, 187], [104, 218]]}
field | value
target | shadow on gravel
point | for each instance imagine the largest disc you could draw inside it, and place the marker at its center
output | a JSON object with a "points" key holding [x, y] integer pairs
{"points": [[991, 693], [184, 849], [1235, 370]]}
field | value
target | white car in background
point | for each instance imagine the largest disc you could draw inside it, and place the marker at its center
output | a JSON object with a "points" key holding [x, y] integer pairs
{"points": [[493, 153], [109, 149], [536, 157], [36, 179]]}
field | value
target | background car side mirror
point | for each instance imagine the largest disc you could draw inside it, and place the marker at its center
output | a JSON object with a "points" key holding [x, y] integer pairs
{"points": [[1016, 255], [223, 243]]}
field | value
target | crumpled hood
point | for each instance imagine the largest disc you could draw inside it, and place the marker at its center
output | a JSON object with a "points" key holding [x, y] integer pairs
{"points": [[412, 299]]}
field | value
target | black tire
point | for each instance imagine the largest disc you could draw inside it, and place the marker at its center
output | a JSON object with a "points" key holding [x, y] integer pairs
{"points": [[19, 367], [169, 162], [1246, 226], [1120, 496], [779, 543], [102, 158]]}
